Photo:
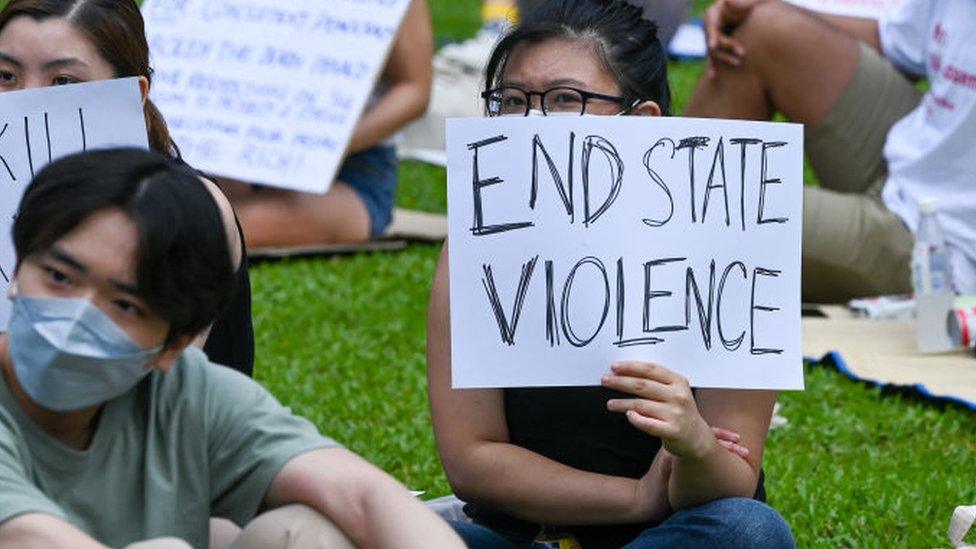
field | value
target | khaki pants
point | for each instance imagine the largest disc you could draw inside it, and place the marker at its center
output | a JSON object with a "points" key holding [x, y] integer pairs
{"points": [[288, 527], [853, 246]]}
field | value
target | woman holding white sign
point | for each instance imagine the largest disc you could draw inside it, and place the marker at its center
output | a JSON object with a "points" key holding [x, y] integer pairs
{"points": [[359, 204], [61, 42], [644, 461]]}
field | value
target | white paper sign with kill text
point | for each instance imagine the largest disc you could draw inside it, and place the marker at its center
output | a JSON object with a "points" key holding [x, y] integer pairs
{"points": [[41, 125], [266, 91], [579, 241]]}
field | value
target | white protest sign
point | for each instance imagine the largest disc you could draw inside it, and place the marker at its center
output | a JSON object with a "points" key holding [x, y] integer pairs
{"points": [[44, 124], [268, 91], [578, 241], [870, 9]]}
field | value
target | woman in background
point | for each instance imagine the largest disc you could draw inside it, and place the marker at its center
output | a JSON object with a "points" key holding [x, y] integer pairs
{"points": [[60, 42], [359, 203]]}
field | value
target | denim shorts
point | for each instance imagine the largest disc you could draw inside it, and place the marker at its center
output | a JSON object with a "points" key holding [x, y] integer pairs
{"points": [[372, 173]]}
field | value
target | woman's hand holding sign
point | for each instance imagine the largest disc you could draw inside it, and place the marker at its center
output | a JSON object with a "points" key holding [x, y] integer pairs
{"points": [[664, 407]]}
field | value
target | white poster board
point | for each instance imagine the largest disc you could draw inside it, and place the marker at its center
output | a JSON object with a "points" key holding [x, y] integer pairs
{"points": [[579, 241], [870, 9], [44, 124], [266, 91]]}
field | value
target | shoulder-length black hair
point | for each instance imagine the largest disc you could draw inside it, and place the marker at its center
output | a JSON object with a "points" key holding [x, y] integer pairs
{"points": [[183, 265], [626, 44]]}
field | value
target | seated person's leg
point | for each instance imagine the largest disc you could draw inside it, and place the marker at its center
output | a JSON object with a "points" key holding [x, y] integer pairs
{"points": [[292, 526], [275, 217], [357, 207], [731, 522], [845, 147], [853, 246], [794, 62]]}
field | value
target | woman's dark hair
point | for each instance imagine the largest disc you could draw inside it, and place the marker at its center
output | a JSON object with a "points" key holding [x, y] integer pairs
{"points": [[625, 43], [183, 264], [117, 31]]}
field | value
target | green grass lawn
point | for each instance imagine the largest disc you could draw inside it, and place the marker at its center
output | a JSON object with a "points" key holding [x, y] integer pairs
{"points": [[342, 340]]}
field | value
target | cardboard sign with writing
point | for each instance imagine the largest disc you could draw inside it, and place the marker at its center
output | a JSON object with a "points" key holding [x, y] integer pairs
{"points": [[267, 91], [869, 9], [579, 241], [41, 125]]}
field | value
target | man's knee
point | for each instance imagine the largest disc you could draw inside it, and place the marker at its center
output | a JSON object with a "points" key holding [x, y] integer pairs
{"points": [[291, 526]]}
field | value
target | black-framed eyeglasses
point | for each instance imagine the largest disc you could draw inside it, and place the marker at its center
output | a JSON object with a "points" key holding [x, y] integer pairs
{"points": [[512, 100]]}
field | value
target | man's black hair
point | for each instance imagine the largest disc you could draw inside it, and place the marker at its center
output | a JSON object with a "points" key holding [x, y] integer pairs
{"points": [[183, 264]]}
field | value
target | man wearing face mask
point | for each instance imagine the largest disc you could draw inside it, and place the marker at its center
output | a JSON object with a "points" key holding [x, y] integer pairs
{"points": [[114, 429]]}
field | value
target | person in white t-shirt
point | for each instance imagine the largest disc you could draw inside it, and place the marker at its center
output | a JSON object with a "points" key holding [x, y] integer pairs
{"points": [[878, 145]]}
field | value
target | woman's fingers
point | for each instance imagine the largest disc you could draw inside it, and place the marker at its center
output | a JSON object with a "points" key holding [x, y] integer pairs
{"points": [[730, 441], [726, 434], [638, 386], [737, 449], [650, 425], [648, 408], [647, 370]]}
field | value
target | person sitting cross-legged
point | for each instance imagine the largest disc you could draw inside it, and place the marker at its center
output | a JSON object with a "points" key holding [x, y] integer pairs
{"points": [[880, 147], [114, 430]]}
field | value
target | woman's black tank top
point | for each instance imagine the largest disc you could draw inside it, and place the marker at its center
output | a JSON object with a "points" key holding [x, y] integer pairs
{"points": [[571, 425]]}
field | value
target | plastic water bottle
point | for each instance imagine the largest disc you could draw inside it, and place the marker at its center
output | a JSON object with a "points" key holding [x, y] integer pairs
{"points": [[932, 282], [931, 269]]}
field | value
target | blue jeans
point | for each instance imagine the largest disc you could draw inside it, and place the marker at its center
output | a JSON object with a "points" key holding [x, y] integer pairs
{"points": [[724, 523], [372, 173]]}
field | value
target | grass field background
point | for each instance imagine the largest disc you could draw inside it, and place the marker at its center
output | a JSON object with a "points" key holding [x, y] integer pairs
{"points": [[342, 341]]}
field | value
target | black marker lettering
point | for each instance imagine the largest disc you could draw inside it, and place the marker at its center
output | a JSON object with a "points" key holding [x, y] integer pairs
{"points": [[650, 294], [552, 327], [692, 144], [719, 161], [616, 176], [621, 312], [565, 193], [30, 157], [660, 182], [704, 312], [506, 328], [744, 142], [84, 134], [4, 160], [47, 134], [479, 228], [763, 181], [756, 273], [571, 336], [729, 344]]}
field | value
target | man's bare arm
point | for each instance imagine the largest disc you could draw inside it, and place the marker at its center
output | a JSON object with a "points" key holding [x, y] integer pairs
{"points": [[42, 531]]}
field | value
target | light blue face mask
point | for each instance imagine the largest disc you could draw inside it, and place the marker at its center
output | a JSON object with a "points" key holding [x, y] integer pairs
{"points": [[68, 354]]}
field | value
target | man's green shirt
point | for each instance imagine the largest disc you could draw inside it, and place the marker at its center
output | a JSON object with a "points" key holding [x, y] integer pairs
{"points": [[201, 440]]}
